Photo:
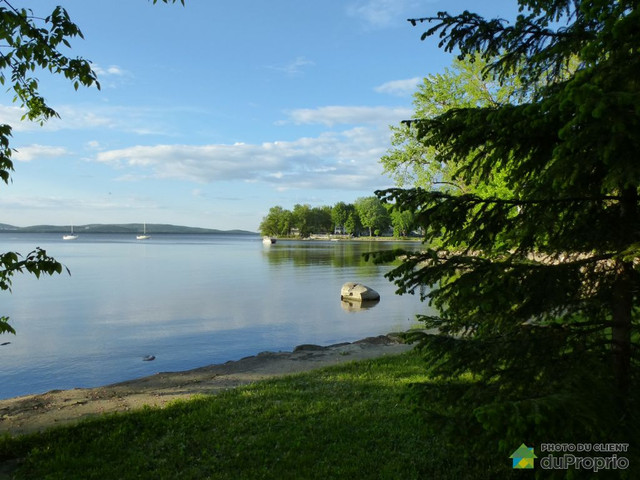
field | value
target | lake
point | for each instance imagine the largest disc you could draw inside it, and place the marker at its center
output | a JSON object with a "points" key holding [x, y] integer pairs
{"points": [[188, 300]]}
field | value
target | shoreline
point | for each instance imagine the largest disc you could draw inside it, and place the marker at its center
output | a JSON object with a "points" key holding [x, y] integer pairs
{"points": [[37, 412], [346, 238]]}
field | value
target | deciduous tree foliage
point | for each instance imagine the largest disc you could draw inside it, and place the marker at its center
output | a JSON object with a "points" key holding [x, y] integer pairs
{"points": [[537, 289], [340, 213], [413, 164], [30, 44], [372, 214], [277, 222], [402, 222]]}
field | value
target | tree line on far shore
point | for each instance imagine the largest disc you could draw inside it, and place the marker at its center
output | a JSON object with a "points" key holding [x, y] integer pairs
{"points": [[366, 216]]}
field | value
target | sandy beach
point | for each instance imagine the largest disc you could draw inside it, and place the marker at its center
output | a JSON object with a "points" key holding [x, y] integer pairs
{"points": [[33, 413]]}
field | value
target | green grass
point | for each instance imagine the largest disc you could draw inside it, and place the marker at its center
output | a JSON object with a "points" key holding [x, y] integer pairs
{"points": [[348, 421]]}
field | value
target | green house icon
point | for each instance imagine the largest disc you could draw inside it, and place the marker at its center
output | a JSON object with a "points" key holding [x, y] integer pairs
{"points": [[523, 457]]}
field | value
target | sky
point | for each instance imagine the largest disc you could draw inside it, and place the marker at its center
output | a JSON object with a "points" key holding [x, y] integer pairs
{"points": [[211, 113]]}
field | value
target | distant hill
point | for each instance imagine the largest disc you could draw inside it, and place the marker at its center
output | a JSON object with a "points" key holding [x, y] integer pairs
{"points": [[131, 228]]}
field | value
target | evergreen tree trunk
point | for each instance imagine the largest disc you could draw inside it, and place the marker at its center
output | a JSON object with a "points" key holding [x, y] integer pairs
{"points": [[622, 296], [621, 325]]}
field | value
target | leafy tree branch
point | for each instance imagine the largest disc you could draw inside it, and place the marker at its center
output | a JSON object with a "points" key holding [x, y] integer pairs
{"points": [[32, 44]]}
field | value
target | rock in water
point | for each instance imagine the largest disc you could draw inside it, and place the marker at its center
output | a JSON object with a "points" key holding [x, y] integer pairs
{"points": [[358, 292]]}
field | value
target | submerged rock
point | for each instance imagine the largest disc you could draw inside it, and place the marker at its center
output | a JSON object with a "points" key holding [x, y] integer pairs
{"points": [[358, 293], [307, 347]]}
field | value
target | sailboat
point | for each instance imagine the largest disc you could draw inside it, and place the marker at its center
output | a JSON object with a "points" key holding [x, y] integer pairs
{"points": [[144, 235], [70, 236]]}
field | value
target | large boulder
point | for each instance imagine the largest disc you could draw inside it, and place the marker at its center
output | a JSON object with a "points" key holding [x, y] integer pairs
{"points": [[358, 293]]}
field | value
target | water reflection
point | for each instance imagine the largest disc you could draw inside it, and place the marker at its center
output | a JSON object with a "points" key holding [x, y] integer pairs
{"points": [[352, 307], [340, 254]]}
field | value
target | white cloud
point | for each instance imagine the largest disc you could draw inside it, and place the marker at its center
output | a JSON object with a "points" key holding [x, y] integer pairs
{"points": [[336, 115], [111, 70], [72, 118], [78, 118], [383, 13], [346, 160], [138, 120], [33, 152], [112, 76], [58, 203], [294, 67], [12, 115], [400, 88]]}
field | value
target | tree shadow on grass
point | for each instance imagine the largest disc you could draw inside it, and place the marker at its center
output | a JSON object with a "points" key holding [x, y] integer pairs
{"points": [[356, 420]]}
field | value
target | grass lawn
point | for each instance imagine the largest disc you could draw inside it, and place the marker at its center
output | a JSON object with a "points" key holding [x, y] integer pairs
{"points": [[348, 421]]}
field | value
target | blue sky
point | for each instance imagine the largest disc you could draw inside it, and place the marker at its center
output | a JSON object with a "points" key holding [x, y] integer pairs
{"points": [[210, 114]]}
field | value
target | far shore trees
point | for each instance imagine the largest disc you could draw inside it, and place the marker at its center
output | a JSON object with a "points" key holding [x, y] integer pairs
{"points": [[538, 335], [340, 215], [372, 214], [366, 216], [31, 44], [278, 222]]}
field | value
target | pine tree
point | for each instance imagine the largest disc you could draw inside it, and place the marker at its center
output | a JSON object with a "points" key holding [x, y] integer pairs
{"points": [[538, 334]]}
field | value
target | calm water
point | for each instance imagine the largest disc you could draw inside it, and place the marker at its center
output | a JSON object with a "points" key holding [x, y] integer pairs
{"points": [[189, 300]]}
